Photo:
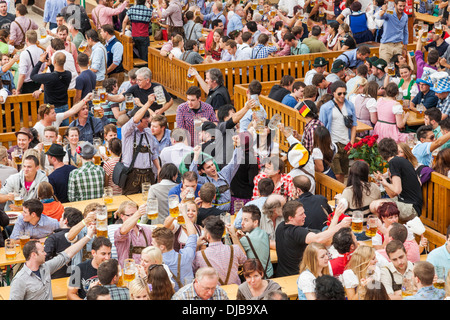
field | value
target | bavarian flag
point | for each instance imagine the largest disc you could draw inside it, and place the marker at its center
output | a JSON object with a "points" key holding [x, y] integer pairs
{"points": [[304, 109], [298, 156]]}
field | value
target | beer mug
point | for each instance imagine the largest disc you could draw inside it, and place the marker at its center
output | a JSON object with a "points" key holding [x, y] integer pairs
{"points": [[254, 5], [201, 47], [420, 111], [407, 285], [190, 195], [108, 195], [372, 227], [257, 106], [174, 201], [160, 96], [102, 221], [183, 210], [390, 7], [47, 144], [440, 274], [261, 10], [129, 270], [42, 32], [102, 94], [24, 237], [145, 187], [152, 209], [425, 33], [289, 131], [17, 156], [190, 78], [260, 122], [97, 158], [357, 222], [391, 69], [96, 98], [129, 102], [274, 121], [10, 249], [83, 45], [438, 28], [18, 199], [225, 217]]}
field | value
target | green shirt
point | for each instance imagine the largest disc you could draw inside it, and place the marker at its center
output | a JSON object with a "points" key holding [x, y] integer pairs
{"points": [[315, 45], [260, 241], [301, 48], [78, 39]]}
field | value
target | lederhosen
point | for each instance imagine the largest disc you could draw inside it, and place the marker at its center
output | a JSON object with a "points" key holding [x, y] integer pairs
{"points": [[395, 286], [229, 265], [137, 176], [137, 249]]}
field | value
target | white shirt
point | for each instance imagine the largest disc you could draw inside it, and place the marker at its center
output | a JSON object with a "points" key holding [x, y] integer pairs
{"points": [[289, 5], [245, 52], [40, 127], [26, 64], [69, 65], [175, 153], [309, 75], [339, 132]]}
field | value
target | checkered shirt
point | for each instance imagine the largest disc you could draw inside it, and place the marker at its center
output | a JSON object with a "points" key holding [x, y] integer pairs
{"points": [[139, 13], [188, 293], [260, 51], [118, 293], [86, 182]]}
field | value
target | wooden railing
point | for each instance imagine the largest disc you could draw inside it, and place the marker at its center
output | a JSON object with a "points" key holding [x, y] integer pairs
{"points": [[172, 73], [21, 111], [436, 202], [435, 211]]}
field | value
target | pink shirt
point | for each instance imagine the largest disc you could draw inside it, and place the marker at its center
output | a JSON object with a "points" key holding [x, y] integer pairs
{"points": [[16, 34], [122, 242], [105, 14]]}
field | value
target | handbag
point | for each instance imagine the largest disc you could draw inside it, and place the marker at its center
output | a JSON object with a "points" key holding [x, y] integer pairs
{"points": [[121, 171], [158, 36], [348, 120]]}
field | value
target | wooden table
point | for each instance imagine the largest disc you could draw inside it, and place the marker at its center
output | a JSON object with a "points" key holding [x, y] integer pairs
{"points": [[361, 127], [18, 259], [413, 120], [137, 197], [59, 289], [113, 207], [426, 18]]}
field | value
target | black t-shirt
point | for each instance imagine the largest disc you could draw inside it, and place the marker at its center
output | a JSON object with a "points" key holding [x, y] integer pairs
{"points": [[411, 188], [5, 21], [315, 216], [278, 93], [203, 213], [82, 276], [59, 179], [143, 94], [290, 245], [56, 85]]}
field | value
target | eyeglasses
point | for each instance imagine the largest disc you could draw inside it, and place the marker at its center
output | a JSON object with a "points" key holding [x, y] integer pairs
{"points": [[341, 93]]}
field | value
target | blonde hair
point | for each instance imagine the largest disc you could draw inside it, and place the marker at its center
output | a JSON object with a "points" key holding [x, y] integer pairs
{"points": [[137, 286], [310, 259], [360, 261], [124, 205], [361, 83], [408, 154], [154, 253]]}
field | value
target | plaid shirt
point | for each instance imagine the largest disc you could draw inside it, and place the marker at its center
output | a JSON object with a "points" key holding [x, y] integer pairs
{"points": [[118, 293], [140, 13], [86, 182], [188, 293], [308, 134], [185, 117], [444, 105], [286, 182], [260, 51], [218, 255]]}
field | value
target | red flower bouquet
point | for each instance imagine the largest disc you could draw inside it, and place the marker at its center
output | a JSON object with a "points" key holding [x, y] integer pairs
{"points": [[366, 149]]}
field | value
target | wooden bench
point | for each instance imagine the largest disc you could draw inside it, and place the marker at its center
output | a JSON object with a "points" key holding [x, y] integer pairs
{"points": [[59, 289], [236, 72]]}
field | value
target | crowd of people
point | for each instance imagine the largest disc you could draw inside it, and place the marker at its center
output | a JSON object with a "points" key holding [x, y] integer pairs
{"points": [[217, 161]]}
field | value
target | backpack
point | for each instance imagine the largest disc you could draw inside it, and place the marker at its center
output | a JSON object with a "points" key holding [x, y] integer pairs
{"points": [[79, 15]]}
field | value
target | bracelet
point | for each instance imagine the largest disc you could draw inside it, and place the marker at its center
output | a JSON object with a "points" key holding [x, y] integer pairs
{"points": [[84, 101], [84, 223]]}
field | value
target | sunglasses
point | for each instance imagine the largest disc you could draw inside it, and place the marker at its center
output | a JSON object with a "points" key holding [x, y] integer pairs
{"points": [[341, 93]]}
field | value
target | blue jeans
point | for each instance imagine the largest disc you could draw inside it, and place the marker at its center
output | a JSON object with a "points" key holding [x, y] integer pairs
{"points": [[63, 109]]}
